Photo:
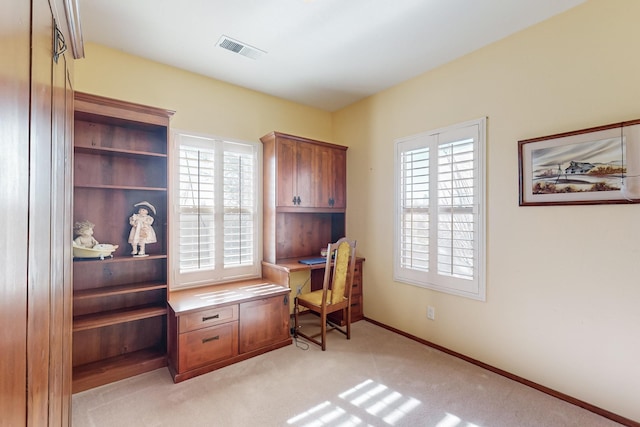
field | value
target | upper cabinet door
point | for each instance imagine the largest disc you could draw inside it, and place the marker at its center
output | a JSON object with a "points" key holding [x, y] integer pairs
{"points": [[294, 173], [305, 176], [339, 179], [286, 162], [330, 166]]}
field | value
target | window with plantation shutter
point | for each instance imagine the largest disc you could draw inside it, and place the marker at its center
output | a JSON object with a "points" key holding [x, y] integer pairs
{"points": [[439, 222], [217, 221]]}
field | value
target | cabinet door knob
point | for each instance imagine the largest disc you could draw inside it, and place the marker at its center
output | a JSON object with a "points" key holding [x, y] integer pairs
{"points": [[294, 200], [298, 200]]}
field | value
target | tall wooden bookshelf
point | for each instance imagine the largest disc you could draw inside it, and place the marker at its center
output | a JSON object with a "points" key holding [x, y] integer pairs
{"points": [[120, 302]]}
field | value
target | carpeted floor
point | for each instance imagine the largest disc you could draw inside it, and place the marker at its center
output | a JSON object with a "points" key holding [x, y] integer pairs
{"points": [[377, 378]]}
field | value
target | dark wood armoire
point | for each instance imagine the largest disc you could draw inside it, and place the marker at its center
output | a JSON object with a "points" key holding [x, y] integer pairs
{"points": [[38, 41]]}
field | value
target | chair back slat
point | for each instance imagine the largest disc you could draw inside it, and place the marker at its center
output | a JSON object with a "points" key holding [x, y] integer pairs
{"points": [[341, 270]]}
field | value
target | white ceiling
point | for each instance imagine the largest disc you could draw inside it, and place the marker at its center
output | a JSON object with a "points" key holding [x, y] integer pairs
{"points": [[322, 53]]}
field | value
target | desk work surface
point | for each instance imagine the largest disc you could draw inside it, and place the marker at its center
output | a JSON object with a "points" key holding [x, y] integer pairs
{"points": [[293, 264], [193, 299]]}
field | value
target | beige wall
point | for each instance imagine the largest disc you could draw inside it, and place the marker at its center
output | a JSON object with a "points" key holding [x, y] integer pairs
{"points": [[563, 283], [563, 295], [202, 105]]}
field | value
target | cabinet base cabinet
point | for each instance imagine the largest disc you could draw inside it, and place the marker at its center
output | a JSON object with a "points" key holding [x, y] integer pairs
{"points": [[205, 336]]}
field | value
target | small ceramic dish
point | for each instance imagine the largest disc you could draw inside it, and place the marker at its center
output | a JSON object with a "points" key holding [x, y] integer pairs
{"points": [[101, 250]]}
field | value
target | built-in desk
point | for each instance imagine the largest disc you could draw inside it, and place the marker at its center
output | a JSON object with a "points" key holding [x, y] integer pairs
{"points": [[215, 326], [291, 273]]}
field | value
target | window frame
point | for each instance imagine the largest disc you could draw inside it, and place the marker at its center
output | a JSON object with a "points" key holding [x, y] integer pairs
{"points": [[474, 288], [205, 277]]}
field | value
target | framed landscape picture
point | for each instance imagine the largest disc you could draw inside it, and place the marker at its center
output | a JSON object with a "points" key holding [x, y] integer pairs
{"points": [[590, 166]]}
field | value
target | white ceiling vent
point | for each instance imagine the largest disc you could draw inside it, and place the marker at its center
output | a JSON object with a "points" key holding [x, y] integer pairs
{"points": [[239, 47]]}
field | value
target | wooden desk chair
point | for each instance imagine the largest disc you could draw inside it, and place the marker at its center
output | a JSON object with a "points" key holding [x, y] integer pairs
{"points": [[335, 294]]}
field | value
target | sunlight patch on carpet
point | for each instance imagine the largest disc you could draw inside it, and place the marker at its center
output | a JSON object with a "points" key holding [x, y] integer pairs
{"points": [[373, 398]]}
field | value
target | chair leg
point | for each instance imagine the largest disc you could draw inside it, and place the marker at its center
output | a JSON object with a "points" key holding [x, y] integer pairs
{"points": [[295, 317], [323, 330], [348, 317]]}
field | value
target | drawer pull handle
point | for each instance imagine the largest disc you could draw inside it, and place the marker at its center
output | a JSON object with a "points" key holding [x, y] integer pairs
{"points": [[216, 316], [206, 340]]}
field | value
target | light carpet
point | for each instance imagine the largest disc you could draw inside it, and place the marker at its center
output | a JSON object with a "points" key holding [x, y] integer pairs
{"points": [[378, 378]]}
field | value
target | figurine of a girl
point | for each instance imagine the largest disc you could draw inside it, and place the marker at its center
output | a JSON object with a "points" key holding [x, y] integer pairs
{"points": [[141, 231], [84, 231]]}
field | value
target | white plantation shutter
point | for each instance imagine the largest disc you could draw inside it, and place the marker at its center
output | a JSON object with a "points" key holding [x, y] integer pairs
{"points": [[440, 210], [456, 221], [217, 210], [239, 201], [196, 209], [414, 220]]}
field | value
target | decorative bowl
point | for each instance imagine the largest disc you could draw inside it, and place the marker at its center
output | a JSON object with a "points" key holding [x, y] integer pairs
{"points": [[101, 250]]}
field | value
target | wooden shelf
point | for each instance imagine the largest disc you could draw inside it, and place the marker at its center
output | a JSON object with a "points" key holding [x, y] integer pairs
{"points": [[119, 187], [114, 317], [117, 368], [288, 209], [117, 152], [118, 290], [121, 259]]}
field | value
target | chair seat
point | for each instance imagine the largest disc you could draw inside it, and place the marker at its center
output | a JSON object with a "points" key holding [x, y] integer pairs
{"points": [[315, 298]]}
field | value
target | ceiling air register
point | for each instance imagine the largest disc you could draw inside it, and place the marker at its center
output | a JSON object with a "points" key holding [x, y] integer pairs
{"points": [[240, 47]]}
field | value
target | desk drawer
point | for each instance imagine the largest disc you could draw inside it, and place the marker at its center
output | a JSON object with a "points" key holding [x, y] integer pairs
{"points": [[208, 345], [206, 318], [356, 308], [357, 280]]}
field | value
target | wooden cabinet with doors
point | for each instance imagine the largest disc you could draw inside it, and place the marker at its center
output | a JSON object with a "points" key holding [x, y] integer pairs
{"points": [[35, 249], [304, 195], [307, 174], [119, 303], [215, 326]]}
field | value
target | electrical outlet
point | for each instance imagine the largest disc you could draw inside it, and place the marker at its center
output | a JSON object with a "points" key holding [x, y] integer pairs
{"points": [[431, 313]]}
